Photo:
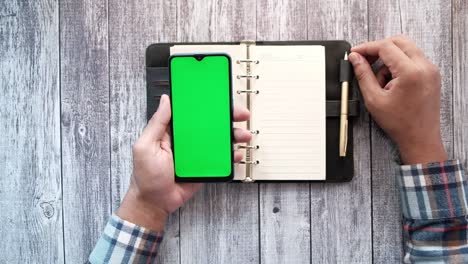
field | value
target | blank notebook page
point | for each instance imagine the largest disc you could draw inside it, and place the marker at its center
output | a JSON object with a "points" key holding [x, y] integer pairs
{"points": [[289, 112]]}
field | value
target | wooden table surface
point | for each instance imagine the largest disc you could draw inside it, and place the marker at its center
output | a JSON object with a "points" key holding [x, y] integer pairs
{"points": [[72, 102]]}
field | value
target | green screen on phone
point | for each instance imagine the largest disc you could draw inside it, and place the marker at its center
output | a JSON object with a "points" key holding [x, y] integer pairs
{"points": [[201, 116]]}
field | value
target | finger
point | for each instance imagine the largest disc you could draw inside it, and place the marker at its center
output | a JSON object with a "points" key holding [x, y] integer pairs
{"points": [[392, 56], [167, 136], [408, 46], [368, 83], [238, 156], [158, 124], [241, 114], [393, 83], [383, 76], [166, 143], [242, 135]]}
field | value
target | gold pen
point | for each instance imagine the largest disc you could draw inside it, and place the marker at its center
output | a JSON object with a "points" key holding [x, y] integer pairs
{"points": [[344, 115]]}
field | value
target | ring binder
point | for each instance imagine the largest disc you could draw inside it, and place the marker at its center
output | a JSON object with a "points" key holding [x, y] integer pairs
{"points": [[255, 162], [248, 147], [255, 132], [248, 76], [248, 91], [248, 179], [248, 61]]}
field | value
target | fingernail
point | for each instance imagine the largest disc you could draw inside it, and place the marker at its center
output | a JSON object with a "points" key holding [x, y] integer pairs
{"points": [[162, 101], [354, 57]]}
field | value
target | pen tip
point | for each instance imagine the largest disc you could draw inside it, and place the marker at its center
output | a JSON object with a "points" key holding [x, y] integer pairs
{"points": [[346, 56]]}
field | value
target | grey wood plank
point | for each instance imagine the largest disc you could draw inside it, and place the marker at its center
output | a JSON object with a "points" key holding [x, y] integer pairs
{"points": [[284, 207], [220, 224], [133, 25], [85, 125], [428, 23], [460, 80], [341, 213], [30, 178], [384, 21], [285, 223]]}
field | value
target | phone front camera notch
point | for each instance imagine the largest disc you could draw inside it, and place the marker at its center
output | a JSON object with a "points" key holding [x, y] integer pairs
{"points": [[199, 57]]}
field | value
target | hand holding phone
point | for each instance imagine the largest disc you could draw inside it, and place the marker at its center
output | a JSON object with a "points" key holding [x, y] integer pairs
{"points": [[201, 97], [153, 193]]}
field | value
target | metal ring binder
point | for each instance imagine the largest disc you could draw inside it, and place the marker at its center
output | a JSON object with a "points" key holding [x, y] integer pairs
{"points": [[248, 61], [255, 162], [248, 147], [255, 132], [248, 179], [248, 76], [248, 91]]}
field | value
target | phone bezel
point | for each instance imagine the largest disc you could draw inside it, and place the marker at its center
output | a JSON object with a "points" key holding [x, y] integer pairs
{"points": [[196, 56]]}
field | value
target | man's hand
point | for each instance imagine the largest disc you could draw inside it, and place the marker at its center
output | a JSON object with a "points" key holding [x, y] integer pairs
{"points": [[403, 97], [153, 193]]}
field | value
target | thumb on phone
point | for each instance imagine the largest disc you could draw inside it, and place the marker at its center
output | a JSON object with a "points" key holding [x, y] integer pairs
{"points": [[157, 126]]}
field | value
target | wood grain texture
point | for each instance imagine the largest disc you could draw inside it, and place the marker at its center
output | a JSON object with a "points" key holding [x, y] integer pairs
{"points": [[220, 224], [460, 80], [284, 207], [384, 21], [85, 125], [341, 213], [30, 177], [133, 26], [284, 223], [69, 78], [428, 23]]}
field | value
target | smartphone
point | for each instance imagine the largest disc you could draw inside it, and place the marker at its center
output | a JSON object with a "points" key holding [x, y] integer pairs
{"points": [[201, 101]]}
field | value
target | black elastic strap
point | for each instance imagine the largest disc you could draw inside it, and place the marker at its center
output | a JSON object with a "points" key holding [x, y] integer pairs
{"points": [[345, 71], [334, 108]]}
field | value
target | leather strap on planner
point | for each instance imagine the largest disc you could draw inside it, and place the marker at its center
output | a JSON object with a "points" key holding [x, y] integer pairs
{"points": [[158, 84], [158, 81], [345, 71], [334, 107]]}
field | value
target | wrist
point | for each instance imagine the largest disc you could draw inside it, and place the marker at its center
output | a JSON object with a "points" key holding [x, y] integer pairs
{"points": [[423, 152], [140, 212]]}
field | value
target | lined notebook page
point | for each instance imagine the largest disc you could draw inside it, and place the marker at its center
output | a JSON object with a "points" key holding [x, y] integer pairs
{"points": [[289, 112], [236, 52]]}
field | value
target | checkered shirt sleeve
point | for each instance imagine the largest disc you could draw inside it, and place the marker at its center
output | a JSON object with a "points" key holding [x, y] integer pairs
{"points": [[434, 204], [124, 242]]}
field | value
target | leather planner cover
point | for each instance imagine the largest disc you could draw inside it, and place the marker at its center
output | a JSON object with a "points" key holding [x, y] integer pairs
{"points": [[338, 169]]}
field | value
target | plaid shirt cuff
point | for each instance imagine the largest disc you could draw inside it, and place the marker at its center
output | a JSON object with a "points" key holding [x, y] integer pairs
{"points": [[433, 191], [124, 242]]}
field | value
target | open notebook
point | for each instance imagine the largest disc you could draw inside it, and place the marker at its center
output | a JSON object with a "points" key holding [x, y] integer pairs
{"points": [[284, 88]]}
